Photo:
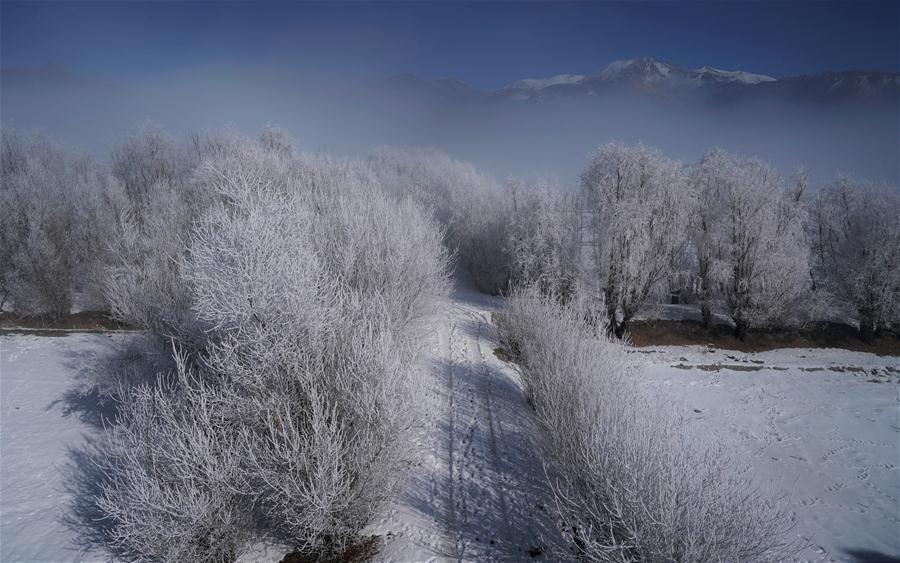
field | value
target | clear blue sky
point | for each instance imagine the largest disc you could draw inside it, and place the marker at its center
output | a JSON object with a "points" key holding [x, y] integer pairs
{"points": [[486, 43]]}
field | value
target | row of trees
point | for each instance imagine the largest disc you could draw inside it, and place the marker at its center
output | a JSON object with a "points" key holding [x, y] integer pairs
{"points": [[729, 233], [59, 208], [735, 236], [283, 296]]}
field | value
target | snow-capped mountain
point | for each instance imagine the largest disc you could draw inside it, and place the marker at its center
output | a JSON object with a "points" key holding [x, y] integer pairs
{"points": [[541, 83], [645, 73], [647, 70], [709, 74], [643, 76], [644, 70]]}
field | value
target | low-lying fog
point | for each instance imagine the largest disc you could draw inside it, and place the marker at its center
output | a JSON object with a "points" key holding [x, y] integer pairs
{"points": [[352, 115]]}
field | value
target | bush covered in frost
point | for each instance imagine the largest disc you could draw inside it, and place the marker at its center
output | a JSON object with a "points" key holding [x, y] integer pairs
{"points": [[292, 298], [631, 483]]}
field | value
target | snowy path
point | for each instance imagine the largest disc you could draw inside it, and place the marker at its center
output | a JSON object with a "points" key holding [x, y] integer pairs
{"points": [[480, 491]]}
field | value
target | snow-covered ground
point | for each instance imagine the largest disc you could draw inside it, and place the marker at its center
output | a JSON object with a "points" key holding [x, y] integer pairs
{"points": [[479, 492], [39, 422], [822, 425]]}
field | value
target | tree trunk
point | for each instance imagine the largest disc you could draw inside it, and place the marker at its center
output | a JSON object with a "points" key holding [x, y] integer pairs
{"points": [[705, 313], [867, 327], [740, 330], [613, 328]]}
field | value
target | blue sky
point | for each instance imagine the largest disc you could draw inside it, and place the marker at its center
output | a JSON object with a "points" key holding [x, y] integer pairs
{"points": [[487, 44]]}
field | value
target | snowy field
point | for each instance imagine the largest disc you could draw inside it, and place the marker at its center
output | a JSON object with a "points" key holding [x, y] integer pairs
{"points": [[820, 424], [823, 425], [39, 422]]}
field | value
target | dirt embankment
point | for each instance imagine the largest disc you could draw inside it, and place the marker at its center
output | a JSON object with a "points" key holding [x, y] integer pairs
{"points": [[85, 321], [830, 335]]}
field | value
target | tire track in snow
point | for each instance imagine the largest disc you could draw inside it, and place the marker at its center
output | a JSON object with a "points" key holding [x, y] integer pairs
{"points": [[482, 495], [496, 479]]}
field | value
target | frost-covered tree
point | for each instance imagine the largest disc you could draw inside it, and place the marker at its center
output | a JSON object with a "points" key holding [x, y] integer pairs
{"points": [[294, 300], [543, 238], [143, 279], [149, 157], [57, 210], [748, 235], [855, 232], [638, 196], [473, 208], [169, 482], [277, 140]]}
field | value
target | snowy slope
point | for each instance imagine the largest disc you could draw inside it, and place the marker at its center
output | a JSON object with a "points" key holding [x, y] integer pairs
{"points": [[650, 74], [645, 72]]}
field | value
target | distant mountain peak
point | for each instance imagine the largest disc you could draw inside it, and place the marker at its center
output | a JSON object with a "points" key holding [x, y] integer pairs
{"points": [[645, 69], [541, 83], [655, 77], [708, 73]]}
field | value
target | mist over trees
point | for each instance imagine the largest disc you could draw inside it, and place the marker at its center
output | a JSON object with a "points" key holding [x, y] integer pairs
{"points": [[348, 115]]}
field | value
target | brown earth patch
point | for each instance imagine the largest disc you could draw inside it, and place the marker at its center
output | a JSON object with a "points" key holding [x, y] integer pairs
{"points": [[825, 335], [363, 550], [82, 321]]}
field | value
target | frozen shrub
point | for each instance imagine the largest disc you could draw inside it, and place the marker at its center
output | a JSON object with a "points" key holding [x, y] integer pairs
{"points": [[172, 476], [631, 481], [147, 158], [316, 287], [855, 234], [277, 140], [297, 294], [143, 282]]}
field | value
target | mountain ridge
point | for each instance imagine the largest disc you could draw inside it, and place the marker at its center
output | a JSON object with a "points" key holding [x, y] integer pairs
{"points": [[650, 74], [659, 78], [644, 75]]}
